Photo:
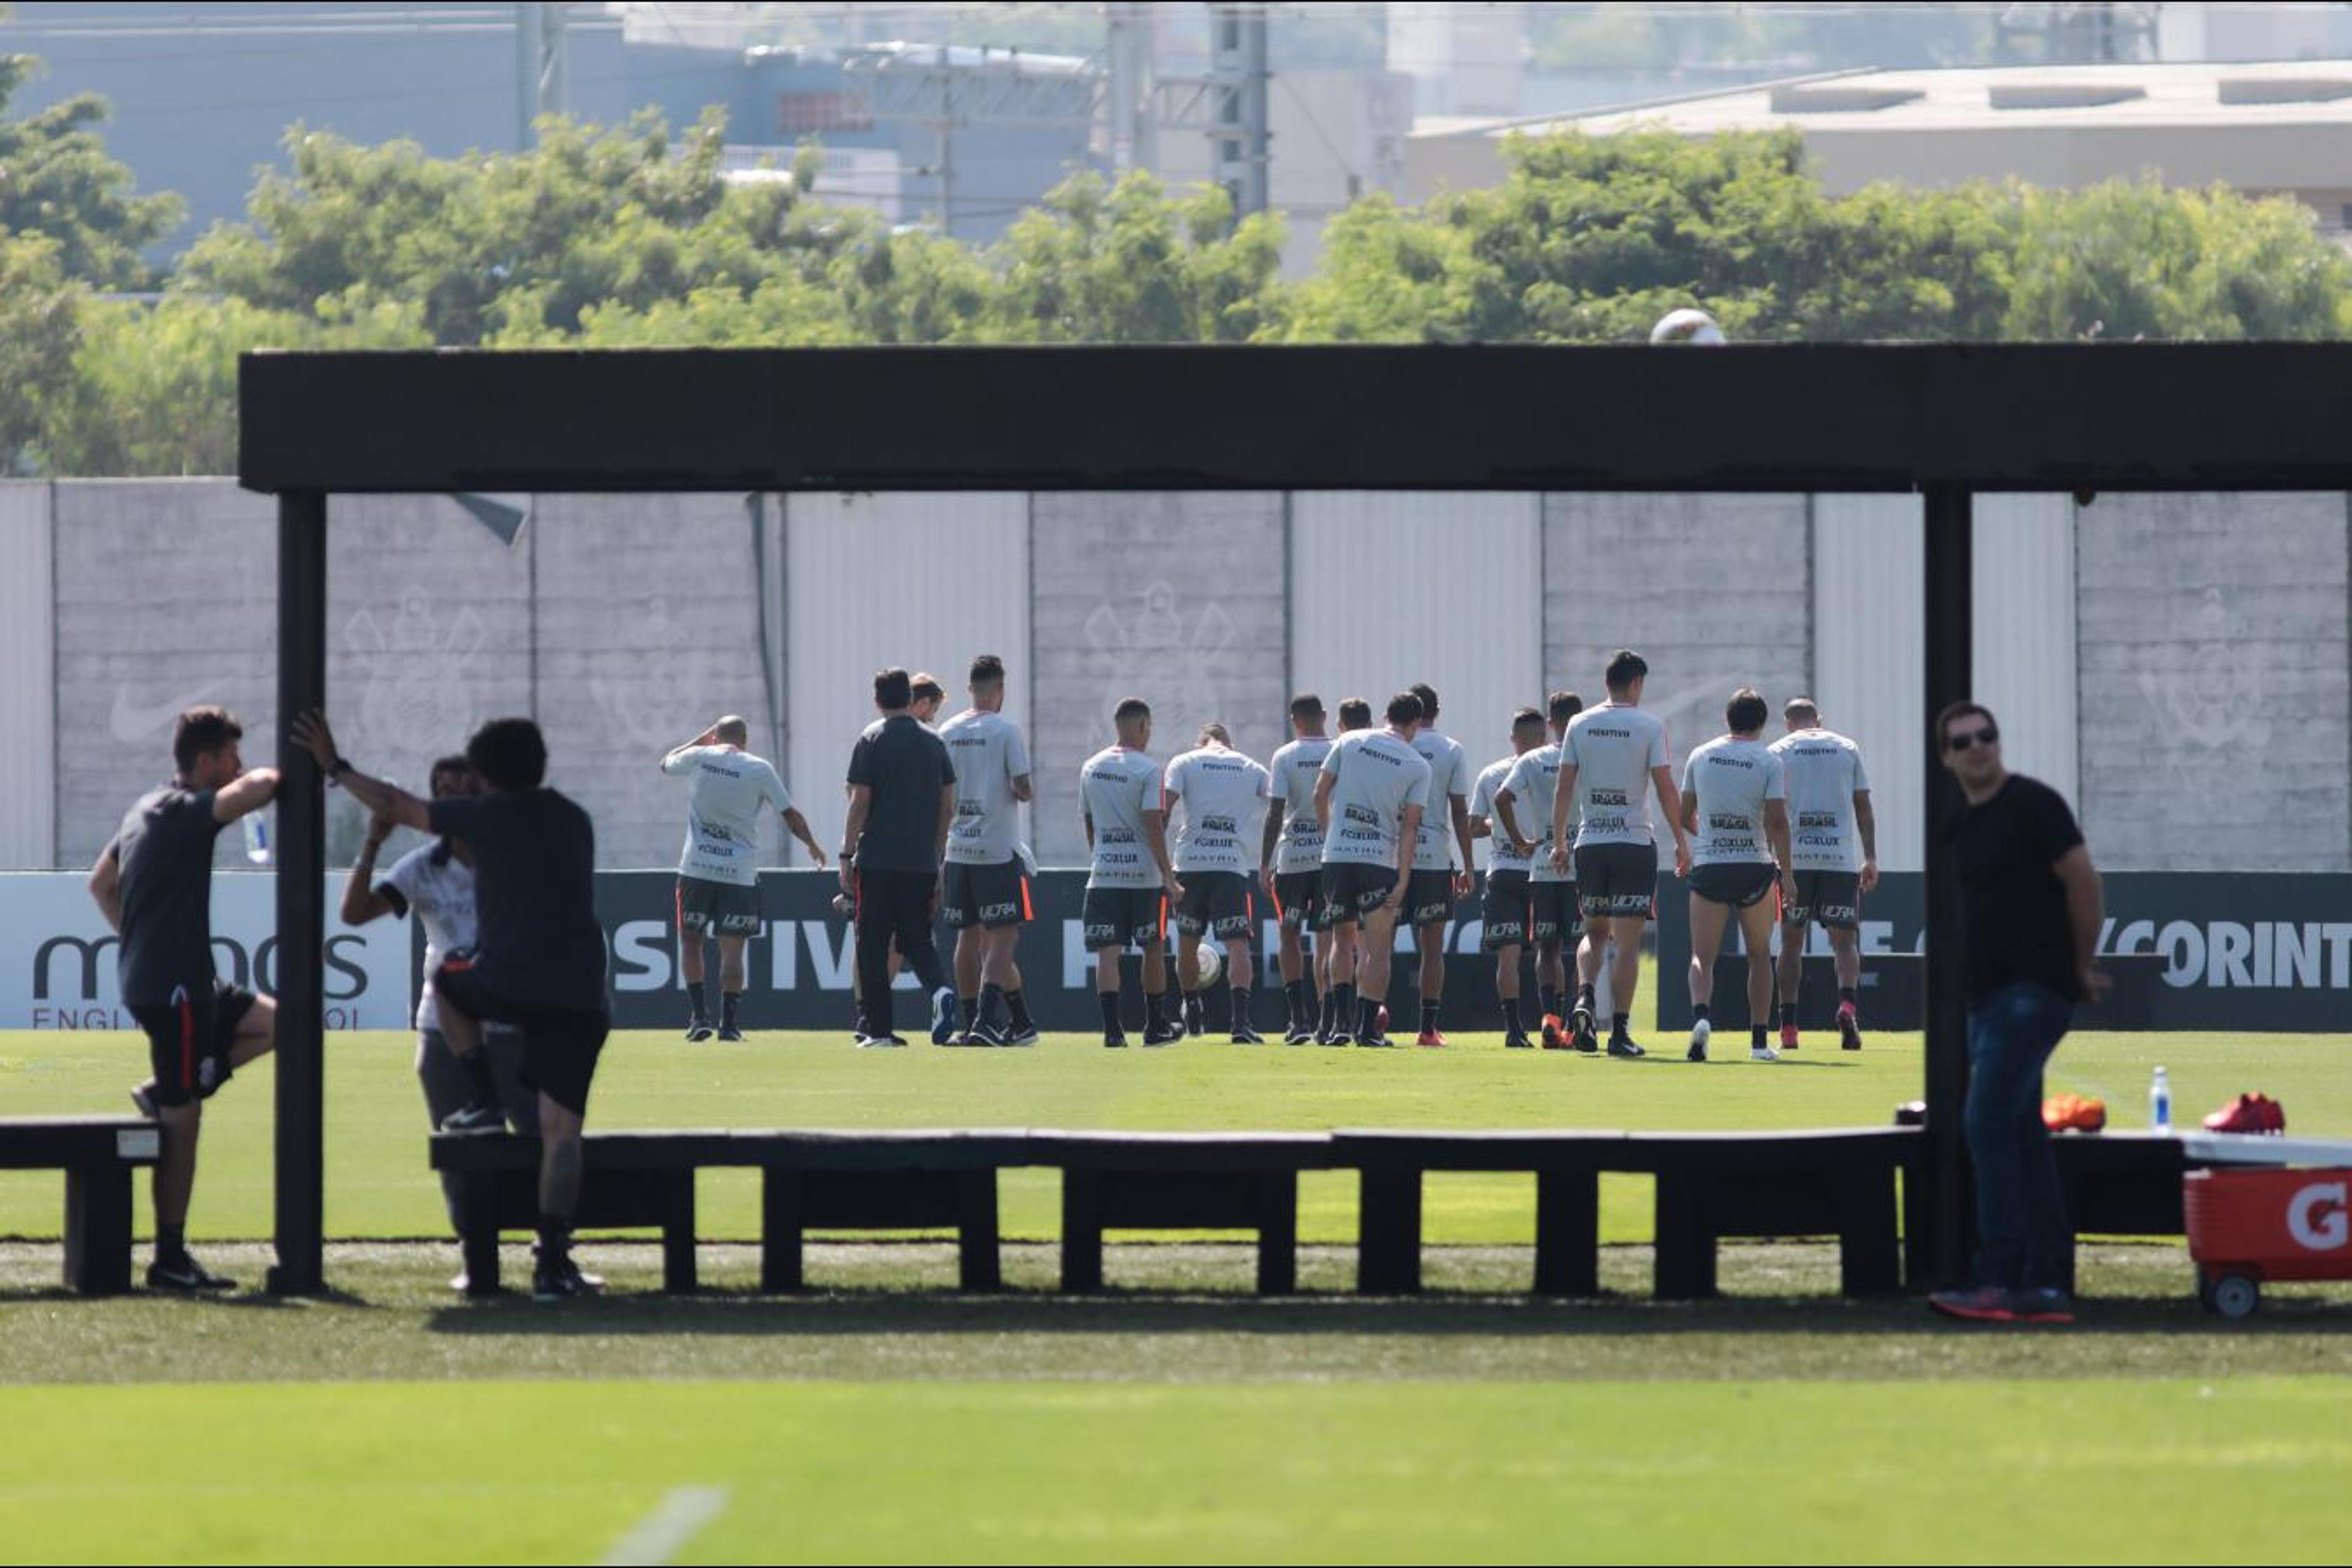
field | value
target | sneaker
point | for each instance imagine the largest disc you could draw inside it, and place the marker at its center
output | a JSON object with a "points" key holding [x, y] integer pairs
{"points": [[1339, 1036], [1977, 1304], [698, 1029], [1700, 1033], [1114, 1041], [461, 1282], [1432, 1037], [879, 1042], [556, 1280], [1849, 1028], [1377, 1040], [2253, 1113], [1166, 1034], [144, 1097], [186, 1275], [1517, 1040], [1581, 1033], [1380, 1021], [1015, 1037], [2041, 1304], [943, 1014], [1245, 1034], [1298, 1034], [1788, 1037], [1762, 1054], [1555, 1037], [731, 1033], [1196, 1017], [1623, 1046], [478, 1118]]}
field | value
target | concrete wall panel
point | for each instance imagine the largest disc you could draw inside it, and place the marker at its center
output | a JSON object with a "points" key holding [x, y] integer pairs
{"points": [[1869, 669], [28, 692]]}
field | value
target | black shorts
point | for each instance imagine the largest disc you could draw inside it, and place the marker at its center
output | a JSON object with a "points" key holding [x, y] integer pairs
{"points": [[188, 1039], [1115, 917], [1428, 898], [1504, 910], [1740, 884], [1831, 898], [1217, 902], [989, 895], [1615, 879], [1299, 899], [560, 1045], [718, 909], [1353, 890], [1552, 914]]}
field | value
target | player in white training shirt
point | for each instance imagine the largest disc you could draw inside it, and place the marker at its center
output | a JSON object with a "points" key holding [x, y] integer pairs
{"points": [[985, 877], [718, 871], [1834, 854], [1523, 806], [1612, 757], [1370, 799], [1290, 863], [1221, 794], [1736, 806], [1441, 858], [1504, 910], [1131, 878]]}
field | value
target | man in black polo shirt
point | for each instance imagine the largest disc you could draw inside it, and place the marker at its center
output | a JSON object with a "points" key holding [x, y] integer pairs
{"points": [[2031, 908], [901, 805], [538, 964], [154, 884]]}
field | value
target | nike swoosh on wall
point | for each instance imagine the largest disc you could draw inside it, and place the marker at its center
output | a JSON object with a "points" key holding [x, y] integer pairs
{"points": [[129, 723]]}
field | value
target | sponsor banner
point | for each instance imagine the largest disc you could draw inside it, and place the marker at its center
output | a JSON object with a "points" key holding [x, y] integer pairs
{"points": [[58, 958], [2236, 952]]}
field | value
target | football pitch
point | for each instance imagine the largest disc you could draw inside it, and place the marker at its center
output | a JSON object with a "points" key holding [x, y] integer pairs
{"points": [[883, 1418]]}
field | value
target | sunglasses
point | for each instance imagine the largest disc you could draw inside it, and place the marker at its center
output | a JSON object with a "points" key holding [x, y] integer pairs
{"points": [[1987, 736]]}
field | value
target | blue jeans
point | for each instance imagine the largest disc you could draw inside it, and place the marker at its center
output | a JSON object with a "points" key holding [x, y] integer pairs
{"points": [[2023, 1236]]}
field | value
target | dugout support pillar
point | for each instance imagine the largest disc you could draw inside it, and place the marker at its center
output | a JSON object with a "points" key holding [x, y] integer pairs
{"points": [[1948, 609], [300, 958]]}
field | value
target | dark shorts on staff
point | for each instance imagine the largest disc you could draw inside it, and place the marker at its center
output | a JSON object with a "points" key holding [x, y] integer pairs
{"points": [[1614, 879], [1116, 916], [991, 897], [1742, 885], [1216, 902], [1552, 913], [1503, 911], [1299, 899], [1428, 898], [1831, 898], [188, 1039], [1353, 890], [718, 909], [560, 1044]]}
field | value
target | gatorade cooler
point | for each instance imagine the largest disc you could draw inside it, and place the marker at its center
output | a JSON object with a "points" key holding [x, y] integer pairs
{"points": [[2250, 1227]]}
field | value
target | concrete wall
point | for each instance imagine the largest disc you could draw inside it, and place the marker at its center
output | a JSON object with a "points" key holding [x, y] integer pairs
{"points": [[28, 692]]}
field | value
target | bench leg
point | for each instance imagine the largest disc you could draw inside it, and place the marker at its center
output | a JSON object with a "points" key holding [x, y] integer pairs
{"points": [[678, 1276], [1568, 1233], [1870, 1260], [98, 1229], [1082, 1241], [478, 1208], [1915, 1263], [781, 1230], [1277, 1233], [978, 1257], [1685, 1244], [1387, 1233]]}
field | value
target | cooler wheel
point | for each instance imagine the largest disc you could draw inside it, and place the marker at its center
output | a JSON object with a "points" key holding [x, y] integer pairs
{"points": [[2234, 1296]]}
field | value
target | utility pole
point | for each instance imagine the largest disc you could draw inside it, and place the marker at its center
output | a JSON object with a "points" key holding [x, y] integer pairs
{"points": [[1129, 55], [542, 67], [1237, 92]]}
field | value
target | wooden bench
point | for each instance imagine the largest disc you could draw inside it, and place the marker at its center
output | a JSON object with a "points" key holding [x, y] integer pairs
{"points": [[1181, 1181], [98, 1154], [1567, 1166], [810, 1180]]}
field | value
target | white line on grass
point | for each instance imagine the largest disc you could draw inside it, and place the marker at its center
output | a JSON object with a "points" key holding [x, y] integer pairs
{"points": [[663, 1533]]}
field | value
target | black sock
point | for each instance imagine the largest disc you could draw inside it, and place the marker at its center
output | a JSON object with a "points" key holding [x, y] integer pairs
{"points": [[170, 1243], [554, 1239], [1788, 1013], [1699, 1011], [1329, 1013], [1109, 1000], [1584, 994], [1241, 1007], [1755, 1038], [1429, 1006], [1191, 1001], [1343, 1007], [1550, 997], [694, 995], [971, 1007], [728, 1002], [1368, 1017], [477, 1066], [1617, 1024], [1511, 1016], [1845, 994], [990, 1004], [1294, 1000], [1155, 1009], [1018, 1006]]}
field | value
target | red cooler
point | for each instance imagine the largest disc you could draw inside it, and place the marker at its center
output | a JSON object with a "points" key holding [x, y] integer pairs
{"points": [[2249, 1227]]}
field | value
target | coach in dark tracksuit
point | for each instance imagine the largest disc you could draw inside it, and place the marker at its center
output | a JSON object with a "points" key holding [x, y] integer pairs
{"points": [[901, 802]]}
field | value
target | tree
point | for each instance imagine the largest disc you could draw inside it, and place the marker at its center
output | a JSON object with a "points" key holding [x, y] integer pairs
{"points": [[57, 180], [39, 312]]}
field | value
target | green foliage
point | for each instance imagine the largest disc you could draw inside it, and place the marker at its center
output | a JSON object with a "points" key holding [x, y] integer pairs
{"points": [[38, 307], [1128, 264], [57, 180]]}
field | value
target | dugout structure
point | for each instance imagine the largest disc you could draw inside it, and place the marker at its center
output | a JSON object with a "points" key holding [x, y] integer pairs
{"points": [[1944, 420]]}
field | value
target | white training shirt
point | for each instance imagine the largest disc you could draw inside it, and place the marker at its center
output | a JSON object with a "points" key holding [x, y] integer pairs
{"points": [[1220, 796], [722, 828], [1449, 779], [1500, 856], [989, 752], [1117, 786], [1291, 780], [1375, 776], [438, 888], [1733, 778], [1613, 747], [1534, 784], [1824, 771]]}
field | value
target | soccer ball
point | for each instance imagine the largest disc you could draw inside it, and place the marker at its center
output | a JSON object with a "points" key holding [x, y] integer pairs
{"points": [[1212, 964], [1688, 326]]}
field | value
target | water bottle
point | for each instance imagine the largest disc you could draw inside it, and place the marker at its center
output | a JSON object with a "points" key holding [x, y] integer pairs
{"points": [[257, 837], [2159, 1102]]}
